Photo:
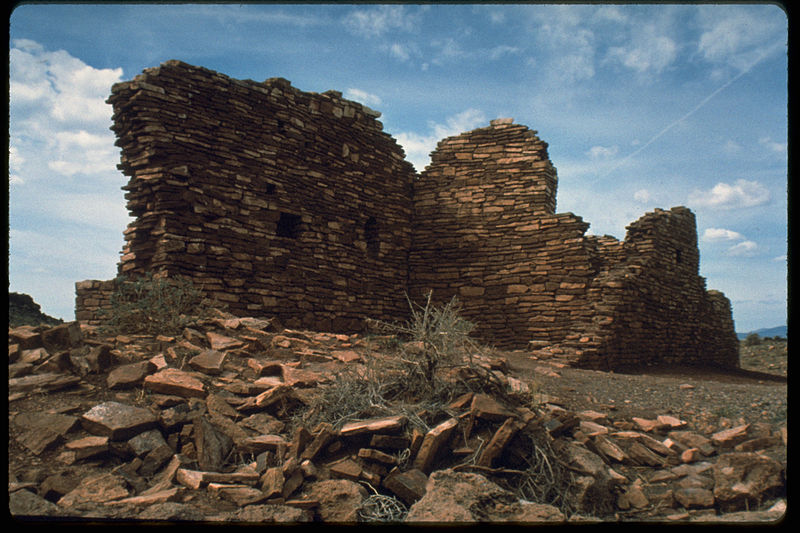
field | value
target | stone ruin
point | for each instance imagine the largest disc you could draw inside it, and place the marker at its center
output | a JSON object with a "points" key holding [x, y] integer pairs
{"points": [[297, 205]]}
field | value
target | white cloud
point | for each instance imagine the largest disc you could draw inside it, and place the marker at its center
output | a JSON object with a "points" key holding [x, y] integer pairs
{"points": [[603, 152], [418, 146], [499, 51], [743, 249], [720, 234], [780, 259], [743, 193], [769, 144], [643, 196], [362, 96], [646, 54], [400, 52], [737, 37], [376, 21]]}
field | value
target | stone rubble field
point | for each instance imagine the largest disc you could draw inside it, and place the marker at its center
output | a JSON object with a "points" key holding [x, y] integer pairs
{"points": [[212, 426]]}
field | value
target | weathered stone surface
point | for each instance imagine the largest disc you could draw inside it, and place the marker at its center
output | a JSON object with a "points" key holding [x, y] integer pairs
{"points": [[338, 499], [485, 204], [498, 442], [117, 421], [212, 446], [728, 438], [389, 424], [409, 486], [694, 497], [461, 497], [24, 503], [433, 443], [177, 382], [741, 478], [98, 488], [208, 362], [88, 446], [130, 375], [278, 513]]}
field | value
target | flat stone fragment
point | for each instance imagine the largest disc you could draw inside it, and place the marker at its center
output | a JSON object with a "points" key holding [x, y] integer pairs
{"points": [[432, 444], [88, 446], [40, 439], [177, 382], [409, 486], [487, 408], [261, 443], [241, 495], [728, 438], [389, 424], [694, 497], [167, 495], [145, 442], [128, 376], [498, 443], [47, 381], [99, 488], [117, 421], [208, 362], [223, 342]]}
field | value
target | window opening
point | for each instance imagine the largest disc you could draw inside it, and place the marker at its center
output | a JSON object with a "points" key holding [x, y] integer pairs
{"points": [[288, 226], [371, 236]]}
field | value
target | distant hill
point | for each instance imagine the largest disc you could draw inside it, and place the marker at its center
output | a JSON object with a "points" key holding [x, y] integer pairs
{"points": [[22, 310], [779, 331]]}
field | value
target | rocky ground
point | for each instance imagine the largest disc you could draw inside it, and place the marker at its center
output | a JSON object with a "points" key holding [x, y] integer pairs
{"points": [[239, 420]]}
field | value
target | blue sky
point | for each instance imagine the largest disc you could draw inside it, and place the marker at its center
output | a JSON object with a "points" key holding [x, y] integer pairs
{"points": [[643, 106]]}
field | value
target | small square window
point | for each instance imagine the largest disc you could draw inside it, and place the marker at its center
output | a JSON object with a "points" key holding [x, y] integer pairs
{"points": [[288, 226]]}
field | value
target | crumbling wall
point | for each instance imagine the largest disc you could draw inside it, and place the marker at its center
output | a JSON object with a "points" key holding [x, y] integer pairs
{"points": [[273, 200], [297, 205], [486, 231]]}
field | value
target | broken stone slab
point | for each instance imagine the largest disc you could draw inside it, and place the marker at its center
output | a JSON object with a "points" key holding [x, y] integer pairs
{"points": [[690, 439], [321, 437], [208, 362], [262, 443], [175, 382], [195, 479], [40, 439], [171, 494], [390, 442], [264, 368], [241, 495], [347, 468], [433, 444], [117, 421], [485, 407], [272, 514], [267, 399], [462, 497], [346, 356], [130, 375], [389, 424], [46, 381], [272, 481], [728, 438], [744, 478], [62, 337], [222, 342], [146, 441], [57, 422], [694, 497], [99, 488], [27, 337], [338, 499], [498, 442], [409, 486], [212, 446], [88, 447], [371, 454]]}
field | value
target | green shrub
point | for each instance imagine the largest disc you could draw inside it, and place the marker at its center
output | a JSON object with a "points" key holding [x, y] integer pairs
{"points": [[154, 306], [752, 340]]}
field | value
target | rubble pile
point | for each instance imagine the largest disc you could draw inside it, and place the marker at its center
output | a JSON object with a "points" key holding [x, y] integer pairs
{"points": [[207, 426]]}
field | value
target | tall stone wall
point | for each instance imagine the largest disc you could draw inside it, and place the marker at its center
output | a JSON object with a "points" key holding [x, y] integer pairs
{"points": [[297, 205], [273, 200]]}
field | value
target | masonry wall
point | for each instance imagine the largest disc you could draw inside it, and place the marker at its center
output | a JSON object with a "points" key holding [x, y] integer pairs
{"points": [[297, 205], [273, 200]]}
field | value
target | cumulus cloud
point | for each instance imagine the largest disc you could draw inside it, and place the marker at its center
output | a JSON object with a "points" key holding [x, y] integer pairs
{"points": [[603, 152], [418, 146], [362, 96], [375, 21], [642, 196], [743, 193], [646, 54], [720, 234], [743, 249], [736, 37], [772, 146]]}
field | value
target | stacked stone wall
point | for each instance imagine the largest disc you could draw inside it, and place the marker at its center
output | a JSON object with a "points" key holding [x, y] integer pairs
{"points": [[296, 205], [273, 200]]}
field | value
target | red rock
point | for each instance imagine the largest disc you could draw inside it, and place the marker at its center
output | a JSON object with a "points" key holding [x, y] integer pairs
{"points": [[691, 455], [222, 342], [693, 498], [177, 382], [117, 421], [487, 408], [389, 424], [130, 375], [262, 443], [433, 443], [88, 446], [728, 438], [498, 442], [208, 362], [409, 486], [99, 488]]}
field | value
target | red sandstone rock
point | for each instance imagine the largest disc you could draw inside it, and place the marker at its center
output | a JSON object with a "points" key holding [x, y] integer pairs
{"points": [[177, 382]]}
